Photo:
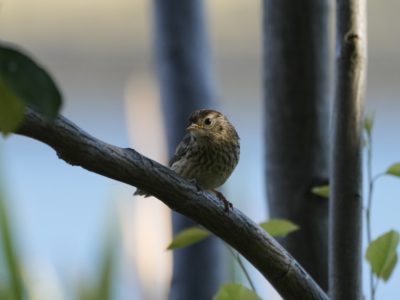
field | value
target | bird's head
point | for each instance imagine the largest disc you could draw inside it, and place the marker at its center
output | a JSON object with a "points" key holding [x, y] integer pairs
{"points": [[207, 123]]}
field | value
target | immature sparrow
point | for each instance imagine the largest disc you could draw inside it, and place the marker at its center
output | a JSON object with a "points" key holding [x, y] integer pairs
{"points": [[208, 153]]}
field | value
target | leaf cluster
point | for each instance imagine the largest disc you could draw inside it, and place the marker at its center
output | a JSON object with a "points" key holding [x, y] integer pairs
{"points": [[235, 291]]}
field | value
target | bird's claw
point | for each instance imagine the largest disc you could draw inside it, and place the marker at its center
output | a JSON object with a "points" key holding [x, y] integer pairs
{"points": [[228, 205], [194, 181]]}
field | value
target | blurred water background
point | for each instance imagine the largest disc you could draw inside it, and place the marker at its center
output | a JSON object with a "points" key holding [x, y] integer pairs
{"points": [[100, 52]]}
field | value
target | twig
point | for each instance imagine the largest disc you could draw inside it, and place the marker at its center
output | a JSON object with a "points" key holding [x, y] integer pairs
{"points": [[371, 181], [373, 281], [241, 265]]}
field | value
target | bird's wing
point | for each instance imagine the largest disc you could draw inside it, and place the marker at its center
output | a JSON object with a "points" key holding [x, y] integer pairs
{"points": [[182, 148]]}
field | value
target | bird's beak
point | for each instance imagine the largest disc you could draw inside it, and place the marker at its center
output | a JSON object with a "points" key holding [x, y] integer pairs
{"points": [[193, 127]]}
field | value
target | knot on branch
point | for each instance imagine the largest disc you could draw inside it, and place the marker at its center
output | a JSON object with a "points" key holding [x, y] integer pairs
{"points": [[351, 48], [352, 37]]}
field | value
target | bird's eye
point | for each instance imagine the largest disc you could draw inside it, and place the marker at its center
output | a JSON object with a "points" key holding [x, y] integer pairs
{"points": [[207, 121]]}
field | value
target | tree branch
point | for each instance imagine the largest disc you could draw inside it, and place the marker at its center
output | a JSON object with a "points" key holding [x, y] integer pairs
{"points": [[126, 165], [297, 84], [346, 177]]}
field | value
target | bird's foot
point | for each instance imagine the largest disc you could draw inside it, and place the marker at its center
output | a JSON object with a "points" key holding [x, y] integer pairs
{"points": [[194, 181], [228, 205]]}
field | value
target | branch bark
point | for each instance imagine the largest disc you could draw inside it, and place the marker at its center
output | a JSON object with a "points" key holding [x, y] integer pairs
{"points": [[126, 165], [346, 177], [298, 65]]}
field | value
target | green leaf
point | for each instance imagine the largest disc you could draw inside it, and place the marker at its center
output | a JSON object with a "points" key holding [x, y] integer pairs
{"points": [[369, 123], [101, 287], [234, 291], [188, 237], [279, 227], [29, 81], [85, 291], [8, 248], [105, 277], [11, 109], [394, 170], [381, 254], [321, 190], [6, 293]]}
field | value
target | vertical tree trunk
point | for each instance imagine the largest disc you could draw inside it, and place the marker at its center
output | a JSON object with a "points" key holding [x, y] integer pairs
{"points": [[346, 179], [297, 68], [187, 83]]}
